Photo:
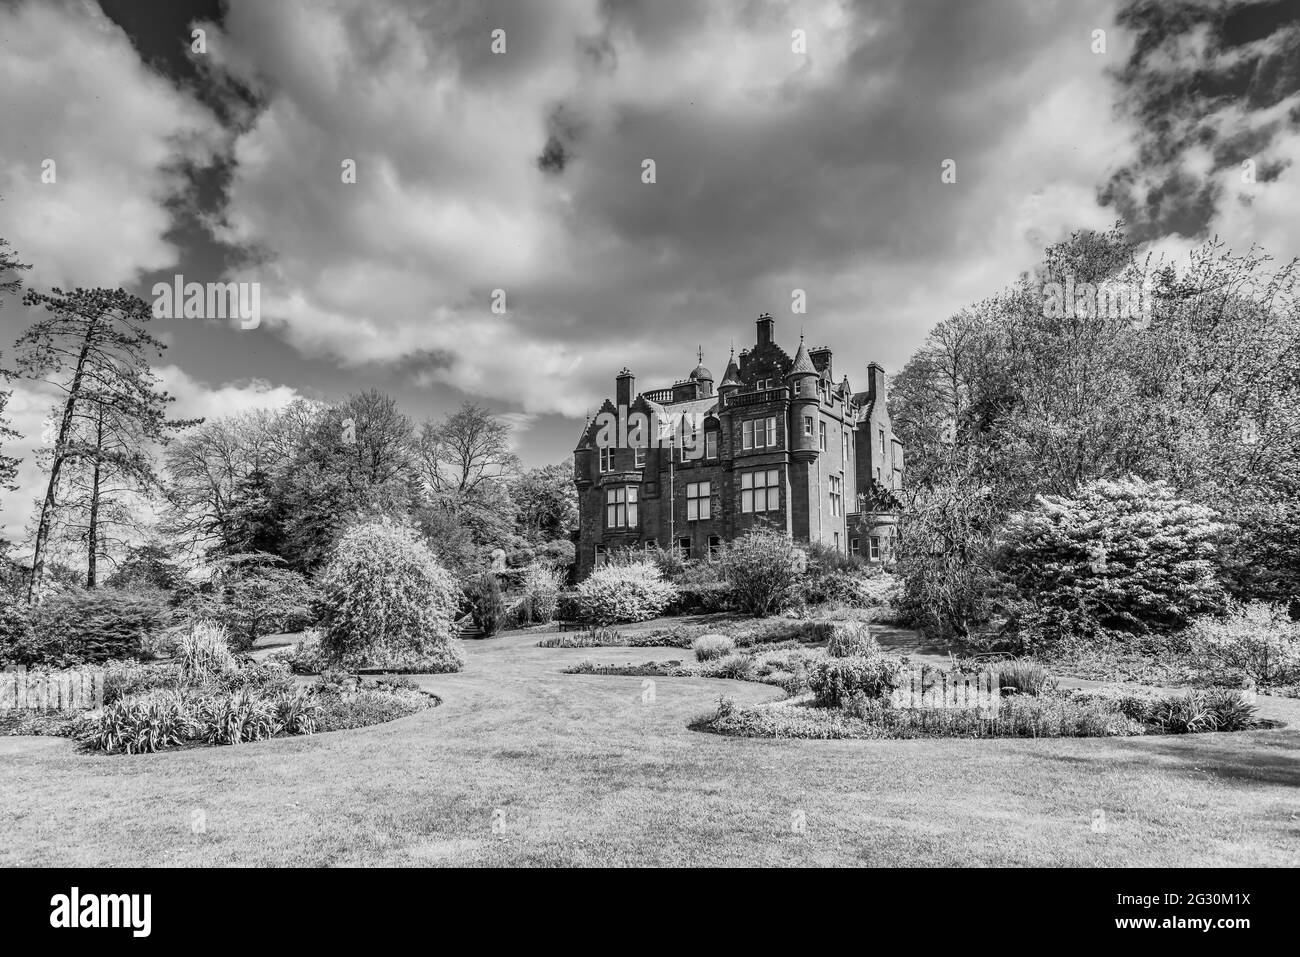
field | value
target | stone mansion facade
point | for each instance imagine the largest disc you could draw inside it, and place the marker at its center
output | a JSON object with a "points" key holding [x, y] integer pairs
{"points": [[778, 441]]}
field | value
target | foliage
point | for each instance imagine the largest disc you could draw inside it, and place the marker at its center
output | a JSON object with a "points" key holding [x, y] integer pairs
{"points": [[140, 725], [252, 597], [387, 601], [368, 706], [851, 640], [487, 607], [760, 567], [131, 678], [95, 348], [624, 593], [1124, 557], [234, 719], [147, 566], [303, 657], [709, 647], [739, 667], [541, 594], [1256, 639], [204, 652], [873, 675], [850, 588], [91, 626], [1024, 676]]}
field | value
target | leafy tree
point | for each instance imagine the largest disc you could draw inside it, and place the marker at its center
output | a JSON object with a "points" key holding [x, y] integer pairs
{"points": [[356, 464], [250, 597], [147, 565], [546, 502], [228, 479]]}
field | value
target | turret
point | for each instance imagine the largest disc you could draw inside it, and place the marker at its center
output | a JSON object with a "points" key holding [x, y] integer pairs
{"points": [[802, 379]]}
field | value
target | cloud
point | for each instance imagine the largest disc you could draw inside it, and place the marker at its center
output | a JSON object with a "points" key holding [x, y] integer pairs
{"points": [[73, 91], [776, 170]]}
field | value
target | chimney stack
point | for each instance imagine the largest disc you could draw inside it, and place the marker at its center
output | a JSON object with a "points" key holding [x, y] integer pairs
{"points": [[765, 324], [624, 388], [876, 382]]}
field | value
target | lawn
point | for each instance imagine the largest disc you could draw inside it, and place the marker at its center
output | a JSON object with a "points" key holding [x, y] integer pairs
{"points": [[524, 765]]}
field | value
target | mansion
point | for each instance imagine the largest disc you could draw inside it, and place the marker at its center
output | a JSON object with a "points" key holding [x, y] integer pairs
{"points": [[778, 441]]}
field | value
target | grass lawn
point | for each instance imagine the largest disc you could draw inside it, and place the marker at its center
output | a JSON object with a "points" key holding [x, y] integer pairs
{"points": [[524, 765]]}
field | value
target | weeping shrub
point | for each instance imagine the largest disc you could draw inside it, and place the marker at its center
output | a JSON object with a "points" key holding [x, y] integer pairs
{"points": [[388, 602]]}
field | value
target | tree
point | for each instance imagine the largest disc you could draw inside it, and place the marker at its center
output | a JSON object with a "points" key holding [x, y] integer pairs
{"points": [[10, 284], [227, 479], [546, 502], [356, 464], [463, 455], [94, 348]]}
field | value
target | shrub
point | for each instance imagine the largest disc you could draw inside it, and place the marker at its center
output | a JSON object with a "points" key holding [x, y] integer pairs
{"points": [[366, 707], [269, 679], [826, 560], [387, 601], [92, 626], [568, 606], [702, 598], [541, 585], [205, 653], [304, 657], [625, 593], [850, 640], [1122, 558], [761, 568], [851, 589], [1256, 639], [233, 719], [1024, 676], [708, 647], [144, 724], [872, 675], [15, 631], [1229, 710], [129, 678], [298, 712], [252, 598], [1183, 714], [738, 667], [486, 606]]}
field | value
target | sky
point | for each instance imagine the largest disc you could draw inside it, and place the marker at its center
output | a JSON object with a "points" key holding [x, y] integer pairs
{"points": [[795, 146]]}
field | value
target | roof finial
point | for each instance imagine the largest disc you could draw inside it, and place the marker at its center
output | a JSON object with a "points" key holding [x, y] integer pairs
{"points": [[699, 354]]}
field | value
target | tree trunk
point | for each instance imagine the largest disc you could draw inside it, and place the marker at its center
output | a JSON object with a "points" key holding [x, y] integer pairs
{"points": [[47, 506], [92, 536]]}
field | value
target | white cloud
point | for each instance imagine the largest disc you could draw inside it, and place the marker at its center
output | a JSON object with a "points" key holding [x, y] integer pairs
{"points": [[73, 90]]}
